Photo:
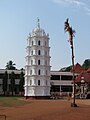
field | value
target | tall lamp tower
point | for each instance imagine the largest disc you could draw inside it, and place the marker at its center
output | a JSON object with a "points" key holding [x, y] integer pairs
{"points": [[37, 68], [71, 33]]}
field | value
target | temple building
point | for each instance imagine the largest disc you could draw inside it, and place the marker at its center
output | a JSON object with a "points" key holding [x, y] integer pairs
{"points": [[37, 81]]}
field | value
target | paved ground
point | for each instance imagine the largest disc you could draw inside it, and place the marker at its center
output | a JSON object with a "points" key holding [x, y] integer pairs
{"points": [[49, 110]]}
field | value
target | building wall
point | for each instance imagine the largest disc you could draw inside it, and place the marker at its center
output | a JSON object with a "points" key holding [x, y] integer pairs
{"points": [[61, 81], [58, 81], [17, 82]]}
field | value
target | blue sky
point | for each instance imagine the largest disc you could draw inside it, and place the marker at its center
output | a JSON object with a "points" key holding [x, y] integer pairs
{"points": [[19, 17]]}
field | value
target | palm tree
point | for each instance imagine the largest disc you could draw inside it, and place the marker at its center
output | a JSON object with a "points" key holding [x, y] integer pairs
{"points": [[69, 29], [5, 82], [12, 82], [10, 65], [71, 32], [21, 82]]}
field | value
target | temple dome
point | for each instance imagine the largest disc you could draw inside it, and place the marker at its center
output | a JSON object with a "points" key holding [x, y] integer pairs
{"points": [[38, 31]]}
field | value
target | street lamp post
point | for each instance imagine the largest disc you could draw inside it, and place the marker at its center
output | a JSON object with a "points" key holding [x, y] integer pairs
{"points": [[71, 32]]}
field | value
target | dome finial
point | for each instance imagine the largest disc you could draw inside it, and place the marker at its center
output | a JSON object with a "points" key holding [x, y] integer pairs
{"points": [[38, 22]]}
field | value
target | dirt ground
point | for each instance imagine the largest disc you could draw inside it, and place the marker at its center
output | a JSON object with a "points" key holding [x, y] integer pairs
{"points": [[48, 110]]}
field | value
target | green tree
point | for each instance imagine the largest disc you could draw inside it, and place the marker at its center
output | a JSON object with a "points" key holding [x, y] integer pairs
{"points": [[21, 82], [12, 82], [10, 65], [66, 69], [86, 64], [5, 79]]}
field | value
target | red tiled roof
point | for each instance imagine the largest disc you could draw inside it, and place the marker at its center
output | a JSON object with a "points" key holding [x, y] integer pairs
{"points": [[85, 75], [88, 70], [78, 68]]}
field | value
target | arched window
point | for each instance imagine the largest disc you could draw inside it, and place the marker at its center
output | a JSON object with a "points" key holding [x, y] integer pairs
{"points": [[32, 42], [38, 62], [30, 82], [45, 43], [46, 72], [46, 82], [45, 52], [39, 52], [39, 42], [30, 72], [45, 62], [39, 72], [32, 52], [38, 82], [31, 62]]}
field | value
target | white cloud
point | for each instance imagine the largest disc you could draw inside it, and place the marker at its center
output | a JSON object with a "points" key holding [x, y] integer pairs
{"points": [[87, 9], [77, 3]]}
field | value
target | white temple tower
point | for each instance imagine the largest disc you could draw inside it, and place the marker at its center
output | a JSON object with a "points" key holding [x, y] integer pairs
{"points": [[37, 69]]}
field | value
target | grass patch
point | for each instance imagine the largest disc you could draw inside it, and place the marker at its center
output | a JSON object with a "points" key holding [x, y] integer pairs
{"points": [[12, 101]]}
